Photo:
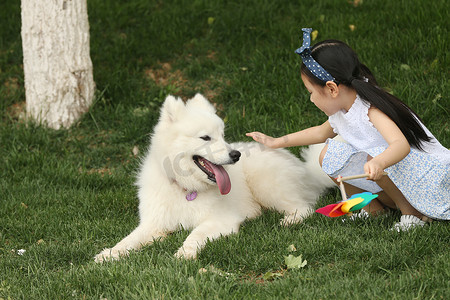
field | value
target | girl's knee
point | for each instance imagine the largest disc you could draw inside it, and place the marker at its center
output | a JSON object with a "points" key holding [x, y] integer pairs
{"points": [[322, 154]]}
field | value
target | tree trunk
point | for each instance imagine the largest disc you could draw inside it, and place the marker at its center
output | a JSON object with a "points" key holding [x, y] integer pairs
{"points": [[59, 84]]}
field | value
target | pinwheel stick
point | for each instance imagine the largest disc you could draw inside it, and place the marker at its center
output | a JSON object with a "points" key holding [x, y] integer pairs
{"points": [[342, 188], [341, 180]]}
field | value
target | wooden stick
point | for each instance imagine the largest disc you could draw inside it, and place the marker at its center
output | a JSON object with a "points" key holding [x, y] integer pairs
{"points": [[340, 178], [343, 193]]}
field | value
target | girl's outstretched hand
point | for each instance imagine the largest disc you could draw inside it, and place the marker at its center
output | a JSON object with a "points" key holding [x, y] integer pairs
{"points": [[262, 138]]}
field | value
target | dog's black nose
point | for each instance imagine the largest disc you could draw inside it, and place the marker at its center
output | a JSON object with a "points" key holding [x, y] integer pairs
{"points": [[234, 155]]}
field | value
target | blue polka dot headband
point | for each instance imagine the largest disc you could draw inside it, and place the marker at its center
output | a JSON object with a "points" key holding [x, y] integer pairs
{"points": [[305, 52]]}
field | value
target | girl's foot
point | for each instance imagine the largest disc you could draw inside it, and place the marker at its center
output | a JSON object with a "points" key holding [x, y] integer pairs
{"points": [[407, 222]]}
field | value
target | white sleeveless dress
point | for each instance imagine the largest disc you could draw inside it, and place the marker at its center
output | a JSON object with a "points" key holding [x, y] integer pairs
{"points": [[422, 176]]}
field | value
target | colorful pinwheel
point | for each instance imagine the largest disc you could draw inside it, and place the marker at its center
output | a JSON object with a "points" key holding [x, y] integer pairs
{"points": [[346, 206], [355, 202]]}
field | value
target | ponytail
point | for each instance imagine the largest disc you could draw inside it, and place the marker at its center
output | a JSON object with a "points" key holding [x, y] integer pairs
{"points": [[343, 64]]}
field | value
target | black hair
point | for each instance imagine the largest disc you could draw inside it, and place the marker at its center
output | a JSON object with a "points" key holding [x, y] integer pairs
{"points": [[343, 64]]}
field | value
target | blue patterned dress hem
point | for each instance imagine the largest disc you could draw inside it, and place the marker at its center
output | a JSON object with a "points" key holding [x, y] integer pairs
{"points": [[428, 190]]}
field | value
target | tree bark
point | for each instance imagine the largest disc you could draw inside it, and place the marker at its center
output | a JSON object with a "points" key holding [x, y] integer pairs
{"points": [[59, 84]]}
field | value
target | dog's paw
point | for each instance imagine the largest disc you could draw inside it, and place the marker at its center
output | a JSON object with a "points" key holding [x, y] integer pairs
{"points": [[109, 255], [291, 219], [186, 253]]}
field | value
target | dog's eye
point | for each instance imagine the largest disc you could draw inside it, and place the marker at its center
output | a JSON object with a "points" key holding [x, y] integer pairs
{"points": [[206, 138]]}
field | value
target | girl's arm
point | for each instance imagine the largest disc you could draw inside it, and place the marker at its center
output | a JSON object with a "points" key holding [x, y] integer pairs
{"points": [[398, 147], [309, 136]]}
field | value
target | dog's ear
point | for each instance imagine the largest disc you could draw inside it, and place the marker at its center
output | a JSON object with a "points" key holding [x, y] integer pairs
{"points": [[171, 109], [200, 102]]}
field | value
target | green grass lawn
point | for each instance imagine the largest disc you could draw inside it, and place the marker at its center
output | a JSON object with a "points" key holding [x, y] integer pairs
{"points": [[65, 195]]}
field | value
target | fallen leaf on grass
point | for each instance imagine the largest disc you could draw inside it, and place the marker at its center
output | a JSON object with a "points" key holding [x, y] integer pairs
{"points": [[294, 262], [436, 99], [214, 270], [291, 248], [355, 3], [141, 111], [434, 64], [405, 67], [135, 150]]}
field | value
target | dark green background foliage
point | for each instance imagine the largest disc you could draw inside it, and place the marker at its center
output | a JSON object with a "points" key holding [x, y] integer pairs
{"points": [[67, 194]]}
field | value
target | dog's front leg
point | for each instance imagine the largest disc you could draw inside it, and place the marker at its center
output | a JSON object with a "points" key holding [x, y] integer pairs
{"points": [[208, 230], [142, 235]]}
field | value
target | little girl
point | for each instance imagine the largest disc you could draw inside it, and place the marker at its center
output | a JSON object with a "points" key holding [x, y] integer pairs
{"points": [[381, 133]]}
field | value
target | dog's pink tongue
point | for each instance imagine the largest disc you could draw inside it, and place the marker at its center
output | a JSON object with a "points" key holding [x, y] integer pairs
{"points": [[222, 179]]}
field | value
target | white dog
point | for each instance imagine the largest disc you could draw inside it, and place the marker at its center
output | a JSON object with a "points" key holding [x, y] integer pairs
{"points": [[192, 179]]}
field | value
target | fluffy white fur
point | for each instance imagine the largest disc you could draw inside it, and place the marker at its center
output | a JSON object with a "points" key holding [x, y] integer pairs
{"points": [[262, 177]]}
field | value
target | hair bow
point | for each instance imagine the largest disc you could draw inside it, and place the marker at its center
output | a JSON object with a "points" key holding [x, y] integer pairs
{"points": [[305, 52]]}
